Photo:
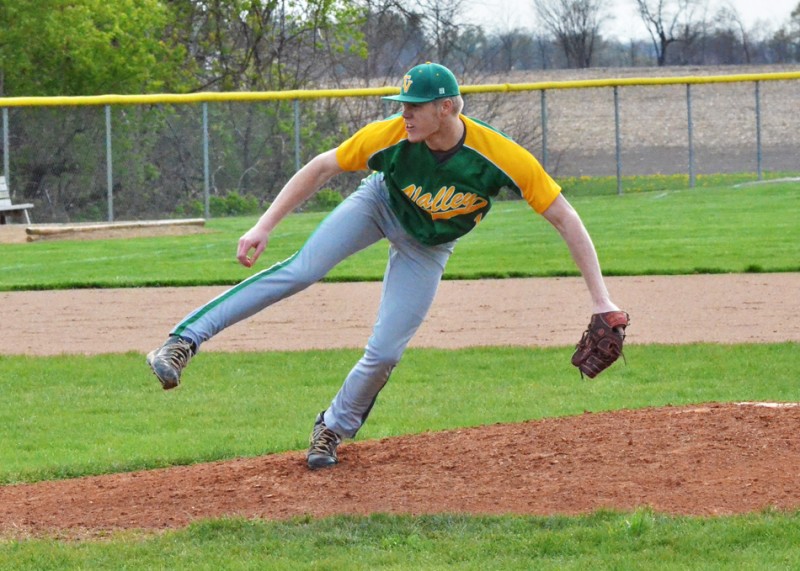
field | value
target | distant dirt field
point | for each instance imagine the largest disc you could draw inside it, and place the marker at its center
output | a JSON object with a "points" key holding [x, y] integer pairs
{"points": [[653, 121]]}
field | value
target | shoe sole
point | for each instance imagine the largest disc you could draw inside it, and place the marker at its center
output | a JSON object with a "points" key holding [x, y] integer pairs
{"points": [[165, 384], [321, 462]]}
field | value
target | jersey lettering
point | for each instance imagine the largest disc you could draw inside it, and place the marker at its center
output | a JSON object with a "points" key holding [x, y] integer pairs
{"points": [[447, 203]]}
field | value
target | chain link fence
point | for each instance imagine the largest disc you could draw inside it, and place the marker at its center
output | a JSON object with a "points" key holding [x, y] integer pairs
{"points": [[160, 157]]}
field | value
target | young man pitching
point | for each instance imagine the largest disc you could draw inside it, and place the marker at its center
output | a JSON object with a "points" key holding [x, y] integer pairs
{"points": [[434, 175]]}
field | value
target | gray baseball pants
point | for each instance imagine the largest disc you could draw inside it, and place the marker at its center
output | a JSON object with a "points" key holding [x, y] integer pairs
{"points": [[410, 282]]}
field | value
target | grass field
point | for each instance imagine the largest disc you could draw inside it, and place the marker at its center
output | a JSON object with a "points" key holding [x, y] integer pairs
{"points": [[718, 229], [109, 419], [68, 416]]}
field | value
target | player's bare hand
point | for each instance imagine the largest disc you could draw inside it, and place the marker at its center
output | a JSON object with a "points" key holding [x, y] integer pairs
{"points": [[254, 239]]}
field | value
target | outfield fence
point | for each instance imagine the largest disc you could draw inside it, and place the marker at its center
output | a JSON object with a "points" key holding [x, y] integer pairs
{"points": [[134, 157]]}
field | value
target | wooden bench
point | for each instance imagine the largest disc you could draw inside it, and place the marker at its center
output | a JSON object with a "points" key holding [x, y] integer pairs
{"points": [[11, 212]]}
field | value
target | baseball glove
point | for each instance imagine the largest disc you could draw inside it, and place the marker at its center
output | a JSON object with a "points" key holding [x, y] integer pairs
{"points": [[601, 343]]}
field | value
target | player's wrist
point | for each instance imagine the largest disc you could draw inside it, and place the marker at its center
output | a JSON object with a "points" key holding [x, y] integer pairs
{"points": [[604, 306]]}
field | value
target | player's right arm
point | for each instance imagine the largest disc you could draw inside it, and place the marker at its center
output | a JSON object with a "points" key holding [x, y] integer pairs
{"points": [[300, 187]]}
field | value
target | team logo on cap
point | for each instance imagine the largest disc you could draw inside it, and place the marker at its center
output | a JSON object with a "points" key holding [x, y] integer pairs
{"points": [[407, 81]]}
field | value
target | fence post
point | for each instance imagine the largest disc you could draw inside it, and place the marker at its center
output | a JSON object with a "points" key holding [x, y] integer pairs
{"points": [[296, 135], [5, 147], [691, 142], [206, 176], [758, 132], [544, 128], [109, 166], [617, 139]]}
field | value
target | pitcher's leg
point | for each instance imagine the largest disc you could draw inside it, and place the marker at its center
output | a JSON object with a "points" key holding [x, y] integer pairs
{"points": [[349, 228], [409, 287], [354, 225]]}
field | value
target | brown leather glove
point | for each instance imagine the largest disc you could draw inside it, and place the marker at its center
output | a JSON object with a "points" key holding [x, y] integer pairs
{"points": [[601, 343]]}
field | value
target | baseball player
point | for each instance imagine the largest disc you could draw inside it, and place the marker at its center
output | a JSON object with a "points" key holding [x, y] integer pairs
{"points": [[434, 173]]}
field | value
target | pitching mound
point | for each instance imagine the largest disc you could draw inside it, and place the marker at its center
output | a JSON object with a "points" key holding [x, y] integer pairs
{"points": [[712, 459]]}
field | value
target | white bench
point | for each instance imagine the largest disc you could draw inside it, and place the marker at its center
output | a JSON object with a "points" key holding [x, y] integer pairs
{"points": [[11, 212]]}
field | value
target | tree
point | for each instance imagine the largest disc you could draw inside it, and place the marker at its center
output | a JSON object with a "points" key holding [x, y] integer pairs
{"points": [[729, 41], [394, 37], [669, 21], [441, 19], [87, 47], [265, 44], [575, 24]]}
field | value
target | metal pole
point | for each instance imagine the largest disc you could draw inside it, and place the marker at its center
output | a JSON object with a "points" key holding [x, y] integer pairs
{"points": [[691, 142], [109, 166], [544, 128], [296, 135], [617, 139], [206, 176], [6, 151], [758, 132]]}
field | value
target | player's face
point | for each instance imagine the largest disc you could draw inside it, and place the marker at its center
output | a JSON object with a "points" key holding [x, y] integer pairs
{"points": [[423, 120]]}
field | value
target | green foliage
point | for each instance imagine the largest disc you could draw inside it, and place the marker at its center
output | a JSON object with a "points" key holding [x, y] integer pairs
{"points": [[233, 204], [246, 45], [86, 47], [323, 201]]}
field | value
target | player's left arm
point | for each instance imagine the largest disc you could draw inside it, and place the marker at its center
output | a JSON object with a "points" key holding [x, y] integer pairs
{"points": [[568, 223], [299, 188]]}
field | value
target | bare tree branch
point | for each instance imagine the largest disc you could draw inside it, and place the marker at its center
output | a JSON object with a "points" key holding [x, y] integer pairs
{"points": [[575, 24]]}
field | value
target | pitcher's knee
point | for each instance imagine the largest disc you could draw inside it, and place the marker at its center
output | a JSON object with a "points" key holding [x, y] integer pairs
{"points": [[381, 359]]}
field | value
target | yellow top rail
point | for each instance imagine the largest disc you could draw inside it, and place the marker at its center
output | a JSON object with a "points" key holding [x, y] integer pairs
{"points": [[209, 96]]}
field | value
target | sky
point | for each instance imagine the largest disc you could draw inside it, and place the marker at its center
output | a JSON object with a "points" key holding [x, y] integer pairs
{"points": [[510, 14]]}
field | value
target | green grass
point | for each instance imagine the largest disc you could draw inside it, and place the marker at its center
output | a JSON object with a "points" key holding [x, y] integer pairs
{"points": [[605, 540], [607, 185], [720, 229], [111, 416]]}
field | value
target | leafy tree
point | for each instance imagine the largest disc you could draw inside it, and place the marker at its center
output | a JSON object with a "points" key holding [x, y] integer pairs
{"points": [[261, 45], [87, 47], [265, 44]]}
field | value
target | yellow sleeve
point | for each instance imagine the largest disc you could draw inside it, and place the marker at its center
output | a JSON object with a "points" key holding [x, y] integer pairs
{"points": [[354, 153], [533, 182]]}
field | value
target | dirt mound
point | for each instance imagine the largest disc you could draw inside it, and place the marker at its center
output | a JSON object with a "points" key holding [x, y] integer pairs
{"points": [[712, 459]]}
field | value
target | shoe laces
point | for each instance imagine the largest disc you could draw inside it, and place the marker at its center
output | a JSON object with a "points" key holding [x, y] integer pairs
{"points": [[177, 353], [324, 440]]}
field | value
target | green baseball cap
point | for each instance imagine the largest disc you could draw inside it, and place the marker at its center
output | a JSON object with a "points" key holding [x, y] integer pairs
{"points": [[426, 82]]}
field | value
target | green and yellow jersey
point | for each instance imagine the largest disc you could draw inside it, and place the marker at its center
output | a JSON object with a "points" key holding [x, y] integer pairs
{"points": [[437, 202]]}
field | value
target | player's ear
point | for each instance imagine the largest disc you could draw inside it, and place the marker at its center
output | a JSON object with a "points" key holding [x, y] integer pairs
{"points": [[447, 106]]}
